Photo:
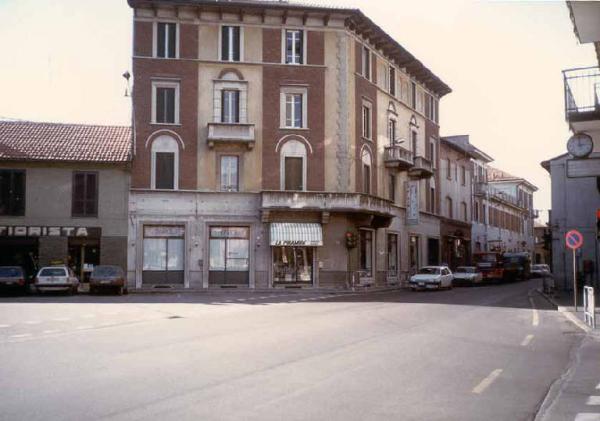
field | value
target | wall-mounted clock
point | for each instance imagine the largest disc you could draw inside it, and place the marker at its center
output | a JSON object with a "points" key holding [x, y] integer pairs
{"points": [[580, 145]]}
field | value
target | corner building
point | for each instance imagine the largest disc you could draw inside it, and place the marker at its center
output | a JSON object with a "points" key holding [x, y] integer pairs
{"points": [[267, 131]]}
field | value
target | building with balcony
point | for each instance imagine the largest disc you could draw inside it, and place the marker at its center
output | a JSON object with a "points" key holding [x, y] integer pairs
{"points": [[264, 133], [575, 174]]}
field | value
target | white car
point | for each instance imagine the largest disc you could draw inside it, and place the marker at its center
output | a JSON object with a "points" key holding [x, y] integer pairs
{"points": [[56, 278], [540, 271], [431, 277], [467, 275]]}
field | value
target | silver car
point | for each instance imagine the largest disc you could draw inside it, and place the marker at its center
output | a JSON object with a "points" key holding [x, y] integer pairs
{"points": [[467, 275], [56, 278]]}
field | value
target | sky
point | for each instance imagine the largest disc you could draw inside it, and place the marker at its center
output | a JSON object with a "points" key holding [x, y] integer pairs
{"points": [[63, 61]]}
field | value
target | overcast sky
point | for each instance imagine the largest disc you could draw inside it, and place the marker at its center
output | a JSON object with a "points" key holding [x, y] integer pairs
{"points": [[63, 60]]}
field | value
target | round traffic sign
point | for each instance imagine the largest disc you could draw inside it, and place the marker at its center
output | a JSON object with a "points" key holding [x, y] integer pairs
{"points": [[574, 239]]}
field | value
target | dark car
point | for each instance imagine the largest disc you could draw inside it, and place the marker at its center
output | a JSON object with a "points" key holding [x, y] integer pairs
{"points": [[13, 278], [108, 277], [517, 266]]}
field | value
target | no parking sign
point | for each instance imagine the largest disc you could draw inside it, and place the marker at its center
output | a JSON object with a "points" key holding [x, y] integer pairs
{"points": [[574, 239]]}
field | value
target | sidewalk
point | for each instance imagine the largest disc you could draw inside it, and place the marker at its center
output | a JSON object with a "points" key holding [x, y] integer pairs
{"points": [[563, 301]]}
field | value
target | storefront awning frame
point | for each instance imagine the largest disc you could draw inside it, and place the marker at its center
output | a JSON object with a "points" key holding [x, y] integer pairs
{"points": [[296, 234]]}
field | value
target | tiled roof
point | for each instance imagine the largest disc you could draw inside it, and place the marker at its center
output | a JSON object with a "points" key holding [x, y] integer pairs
{"points": [[31, 141]]}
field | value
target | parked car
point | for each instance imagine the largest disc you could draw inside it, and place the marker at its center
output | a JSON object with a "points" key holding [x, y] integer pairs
{"points": [[56, 278], [14, 278], [108, 277], [467, 275], [540, 271], [431, 277]]}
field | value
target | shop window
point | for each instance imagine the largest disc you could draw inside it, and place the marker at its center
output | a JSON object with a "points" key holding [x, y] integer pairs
{"points": [[392, 251], [12, 192], [231, 43], [294, 46], [166, 40], [366, 253], [229, 173], [164, 254], [229, 255], [293, 264], [165, 163], [85, 194], [293, 166]]}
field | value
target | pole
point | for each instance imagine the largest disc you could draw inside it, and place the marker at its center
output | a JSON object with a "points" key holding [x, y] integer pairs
{"points": [[575, 279]]}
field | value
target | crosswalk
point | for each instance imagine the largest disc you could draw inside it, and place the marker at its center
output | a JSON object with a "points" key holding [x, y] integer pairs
{"points": [[593, 402]]}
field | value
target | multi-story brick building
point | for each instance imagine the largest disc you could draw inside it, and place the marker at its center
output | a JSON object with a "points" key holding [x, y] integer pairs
{"points": [[265, 132]]}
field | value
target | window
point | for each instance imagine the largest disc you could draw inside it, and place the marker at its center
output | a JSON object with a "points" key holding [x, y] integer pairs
{"points": [[12, 192], [164, 254], [465, 216], [366, 171], [413, 95], [392, 131], [392, 187], [448, 169], [231, 43], [294, 47], [449, 210], [293, 108], [165, 40], [165, 163], [229, 173], [85, 194], [392, 249], [165, 102], [230, 106], [463, 175], [293, 166], [392, 80], [366, 121], [432, 154], [414, 141], [229, 250], [484, 217], [366, 252], [476, 212], [366, 62], [432, 199]]}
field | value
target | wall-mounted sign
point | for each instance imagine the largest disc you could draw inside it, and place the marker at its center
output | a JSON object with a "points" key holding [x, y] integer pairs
{"points": [[39, 231], [412, 202], [296, 243]]}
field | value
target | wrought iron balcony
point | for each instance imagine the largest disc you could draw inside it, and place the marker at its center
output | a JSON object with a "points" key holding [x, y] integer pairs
{"points": [[395, 156], [228, 133], [422, 168], [582, 94]]}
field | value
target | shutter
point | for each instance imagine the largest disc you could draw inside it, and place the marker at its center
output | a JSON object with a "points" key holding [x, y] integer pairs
{"points": [[78, 200], [170, 105], [236, 106], [91, 194], [236, 43], [293, 174], [300, 50], [225, 43], [172, 28], [165, 170], [160, 39]]}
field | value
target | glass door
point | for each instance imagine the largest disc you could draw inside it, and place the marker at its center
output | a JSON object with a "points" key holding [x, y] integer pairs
{"points": [[229, 256], [164, 255]]}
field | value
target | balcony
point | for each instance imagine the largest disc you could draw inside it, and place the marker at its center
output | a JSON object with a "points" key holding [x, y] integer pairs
{"points": [[362, 205], [582, 97], [422, 168], [230, 133], [480, 189], [504, 197], [397, 157]]}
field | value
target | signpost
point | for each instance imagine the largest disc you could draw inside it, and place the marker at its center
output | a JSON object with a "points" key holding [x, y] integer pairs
{"points": [[574, 241]]}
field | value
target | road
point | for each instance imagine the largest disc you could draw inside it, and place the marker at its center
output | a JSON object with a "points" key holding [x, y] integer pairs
{"points": [[486, 353]]}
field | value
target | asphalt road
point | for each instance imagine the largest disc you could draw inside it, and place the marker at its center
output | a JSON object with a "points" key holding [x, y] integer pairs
{"points": [[486, 353]]}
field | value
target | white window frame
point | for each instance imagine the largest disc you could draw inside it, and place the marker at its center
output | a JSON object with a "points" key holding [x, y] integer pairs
{"points": [[230, 81], [368, 134], [394, 136], [366, 159], [283, 46], [164, 143], [231, 116], [367, 51], [237, 164], [229, 60], [292, 149], [155, 39], [165, 84], [285, 91]]}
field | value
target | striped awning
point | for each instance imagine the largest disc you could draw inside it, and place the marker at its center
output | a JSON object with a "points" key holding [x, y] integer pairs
{"points": [[296, 234]]}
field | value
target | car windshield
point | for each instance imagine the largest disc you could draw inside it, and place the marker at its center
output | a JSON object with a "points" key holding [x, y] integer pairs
{"points": [[53, 272], [8, 272], [464, 269], [106, 271], [429, 271]]}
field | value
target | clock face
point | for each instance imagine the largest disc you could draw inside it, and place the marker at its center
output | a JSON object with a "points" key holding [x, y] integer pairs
{"points": [[580, 145]]}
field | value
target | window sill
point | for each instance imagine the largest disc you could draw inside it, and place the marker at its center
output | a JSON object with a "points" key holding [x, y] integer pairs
{"points": [[366, 139], [294, 128], [165, 124]]}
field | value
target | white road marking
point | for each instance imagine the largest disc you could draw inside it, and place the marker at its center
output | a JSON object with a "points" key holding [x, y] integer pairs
{"points": [[48, 332], [61, 319], [32, 322], [485, 383], [587, 417], [593, 400], [598, 387], [83, 327], [527, 340], [535, 321], [2, 326], [22, 335]]}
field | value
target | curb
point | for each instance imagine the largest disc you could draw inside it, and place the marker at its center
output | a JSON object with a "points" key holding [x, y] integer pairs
{"points": [[210, 291], [569, 314]]}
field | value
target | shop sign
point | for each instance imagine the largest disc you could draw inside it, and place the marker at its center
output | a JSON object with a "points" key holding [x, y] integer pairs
{"points": [[296, 243], [412, 203], [164, 231], [40, 231]]}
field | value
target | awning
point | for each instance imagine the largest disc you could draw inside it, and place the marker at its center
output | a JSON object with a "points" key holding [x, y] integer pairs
{"points": [[296, 234]]}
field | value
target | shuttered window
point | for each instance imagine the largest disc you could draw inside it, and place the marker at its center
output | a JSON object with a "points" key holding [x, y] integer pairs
{"points": [[293, 174], [12, 192], [230, 43], [230, 106], [85, 194], [165, 170], [166, 40], [294, 47], [165, 105]]}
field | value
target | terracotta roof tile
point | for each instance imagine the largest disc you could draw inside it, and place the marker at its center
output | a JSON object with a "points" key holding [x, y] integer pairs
{"points": [[31, 141]]}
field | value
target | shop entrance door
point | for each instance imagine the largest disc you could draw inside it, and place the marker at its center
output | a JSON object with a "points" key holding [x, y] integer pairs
{"points": [[293, 265], [229, 258], [20, 252], [164, 255], [84, 255]]}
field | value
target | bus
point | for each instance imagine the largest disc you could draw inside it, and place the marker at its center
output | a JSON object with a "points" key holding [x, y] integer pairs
{"points": [[490, 264]]}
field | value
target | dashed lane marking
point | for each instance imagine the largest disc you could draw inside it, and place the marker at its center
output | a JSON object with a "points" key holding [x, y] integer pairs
{"points": [[587, 417], [22, 335], [49, 332], [485, 383], [61, 319], [593, 400], [83, 327], [527, 340], [3, 326], [535, 321], [32, 322]]}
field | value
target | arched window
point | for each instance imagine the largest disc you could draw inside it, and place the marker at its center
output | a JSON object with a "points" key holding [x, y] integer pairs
{"points": [[165, 163], [293, 166], [366, 170], [230, 98]]}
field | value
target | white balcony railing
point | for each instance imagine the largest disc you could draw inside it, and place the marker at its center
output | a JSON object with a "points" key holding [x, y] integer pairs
{"points": [[231, 133]]}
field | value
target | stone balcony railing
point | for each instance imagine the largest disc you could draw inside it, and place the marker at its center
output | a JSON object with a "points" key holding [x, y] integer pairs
{"points": [[480, 189], [228, 133], [423, 168], [395, 156]]}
